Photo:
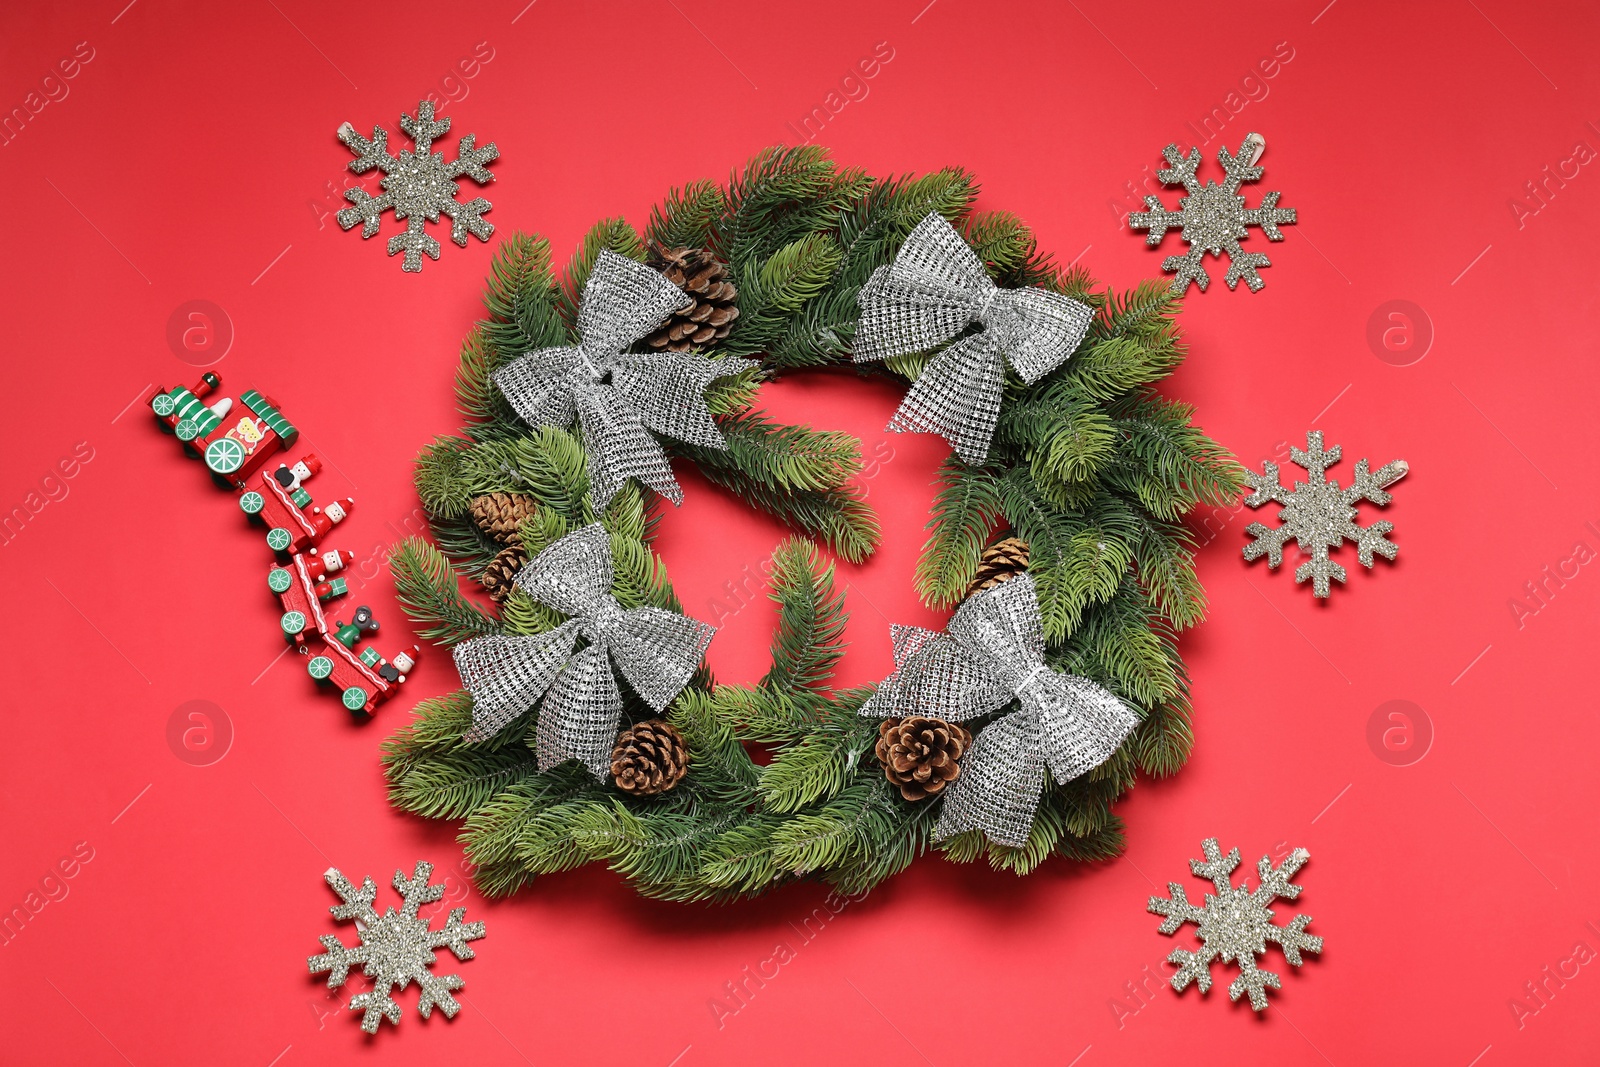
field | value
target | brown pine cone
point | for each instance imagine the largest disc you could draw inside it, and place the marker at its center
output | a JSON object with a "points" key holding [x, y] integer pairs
{"points": [[497, 576], [1000, 561], [921, 755], [649, 758], [711, 311], [499, 514]]}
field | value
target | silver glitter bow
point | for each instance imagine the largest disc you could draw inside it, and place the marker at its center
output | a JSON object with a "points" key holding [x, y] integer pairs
{"points": [[933, 290], [621, 398], [655, 650], [992, 652]]}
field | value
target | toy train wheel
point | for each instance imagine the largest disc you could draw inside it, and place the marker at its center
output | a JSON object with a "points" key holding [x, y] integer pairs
{"points": [[163, 405], [355, 698], [252, 502], [187, 429], [292, 622], [279, 580], [279, 539], [224, 455], [320, 667]]}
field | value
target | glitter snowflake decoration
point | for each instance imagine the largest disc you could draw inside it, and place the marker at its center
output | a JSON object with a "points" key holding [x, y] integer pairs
{"points": [[418, 185], [1236, 923], [1318, 515], [396, 948], [1213, 217]]}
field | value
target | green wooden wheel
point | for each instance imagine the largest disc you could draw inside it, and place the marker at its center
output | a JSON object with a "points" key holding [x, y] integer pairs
{"points": [[355, 698], [187, 429], [252, 502], [320, 667], [279, 580], [279, 539], [164, 405], [224, 455], [292, 622]]}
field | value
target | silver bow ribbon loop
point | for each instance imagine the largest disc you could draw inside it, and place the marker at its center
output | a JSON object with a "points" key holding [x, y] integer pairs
{"points": [[992, 652], [656, 651], [1003, 773], [935, 288], [621, 399]]}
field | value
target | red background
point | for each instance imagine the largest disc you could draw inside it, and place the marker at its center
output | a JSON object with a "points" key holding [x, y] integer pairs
{"points": [[194, 158]]}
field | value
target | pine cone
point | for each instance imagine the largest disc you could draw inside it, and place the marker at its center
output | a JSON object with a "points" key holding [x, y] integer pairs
{"points": [[497, 576], [920, 755], [649, 758], [499, 514], [710, 314], [1000, 561]]}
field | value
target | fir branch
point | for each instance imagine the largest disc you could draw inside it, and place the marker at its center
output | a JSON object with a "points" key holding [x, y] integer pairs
{"points": [[546, 463], [809, 641], [428, 588], [1106, 843], [522, 299], [897, 842], [1076, 446], [872, 229], [1161, 744], [779, 456], [477, 398], [1127, 646], [740, 861], [613, 235], [782, 195], [964, 513], [817, 766], [1168, 464], [639, 576], [853, 825], [500, 834], [547, 839], [719, 763], [1002, 241], [772, 290], [1085, 806], [439, 724], [687, 216], [1146, 310], [452, 784], [820, 333], [523, 616], [735, 393], [1104, 369], [441, 476], [655, 845], [464, 541], [766, 715], [1164, 554], [1075, 558]]}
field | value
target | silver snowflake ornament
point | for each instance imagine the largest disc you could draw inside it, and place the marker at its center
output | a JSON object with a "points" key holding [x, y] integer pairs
{"points": [[1319, 515], [396, 948], [418, 185], [1213, 217], [1236, 923]]}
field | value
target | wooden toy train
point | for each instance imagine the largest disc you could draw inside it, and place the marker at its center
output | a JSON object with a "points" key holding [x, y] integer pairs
{"points": [[238, 444]]}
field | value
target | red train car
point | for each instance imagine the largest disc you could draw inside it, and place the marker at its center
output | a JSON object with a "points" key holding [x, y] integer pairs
{"points": [[301, 586], [365, 679], [279, 499]]}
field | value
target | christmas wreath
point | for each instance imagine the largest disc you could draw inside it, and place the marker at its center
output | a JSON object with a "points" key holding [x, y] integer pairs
{"points": [[588, 728]]}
